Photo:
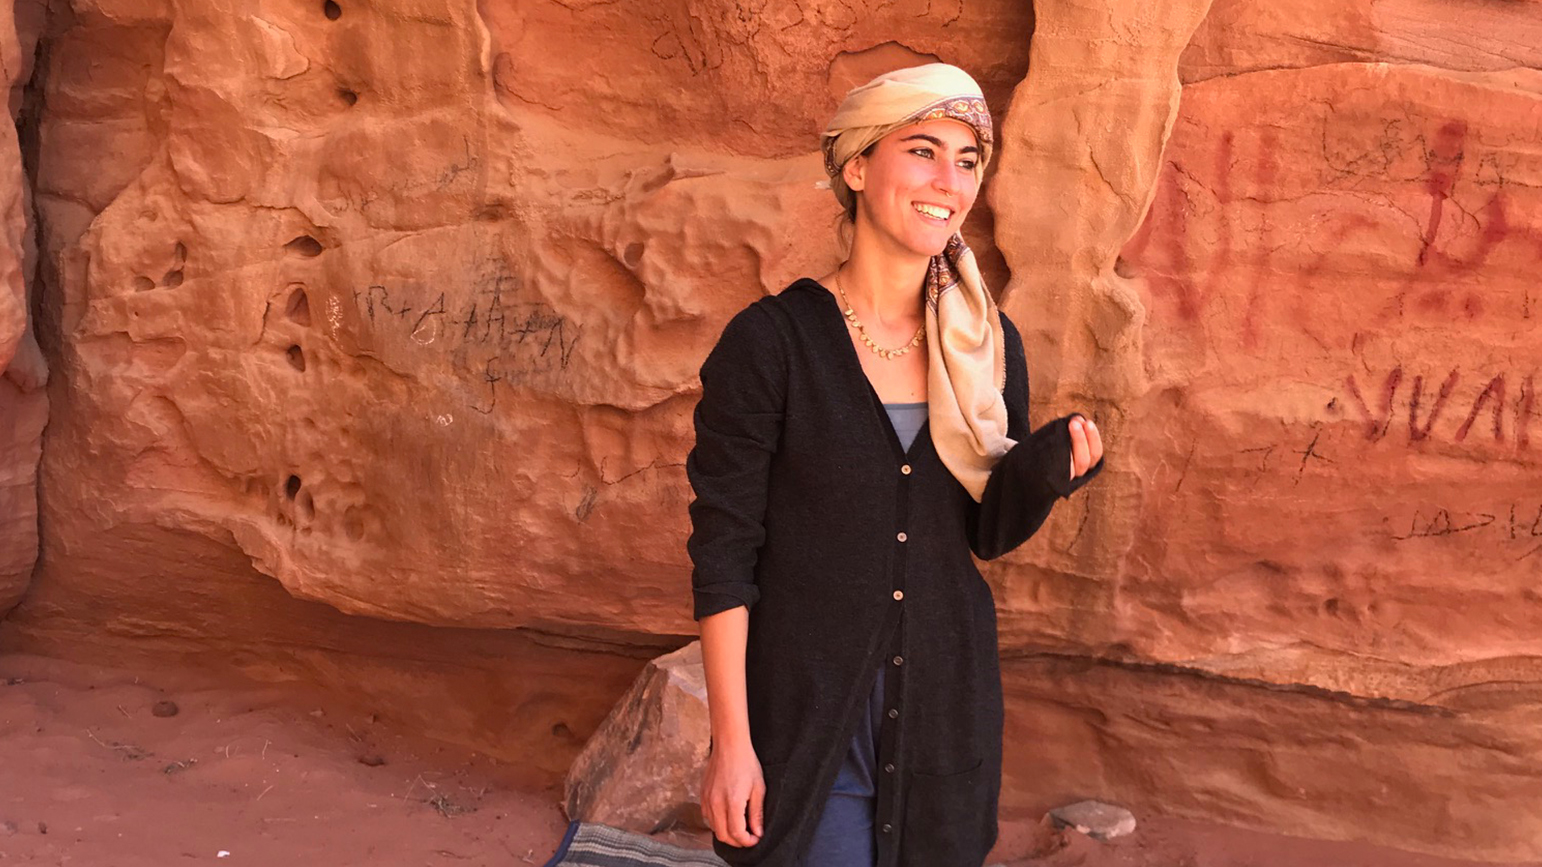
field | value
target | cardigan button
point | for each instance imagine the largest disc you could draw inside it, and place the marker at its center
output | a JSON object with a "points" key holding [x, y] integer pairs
{"points": [[889, 768], [902, 537], [893, 713], [898, 595], [887, 827], [905, 469], [899, 660]]}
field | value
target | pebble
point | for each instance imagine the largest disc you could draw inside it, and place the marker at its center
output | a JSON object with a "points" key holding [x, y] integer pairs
{"points": [[1097, 820], [165, 708]]}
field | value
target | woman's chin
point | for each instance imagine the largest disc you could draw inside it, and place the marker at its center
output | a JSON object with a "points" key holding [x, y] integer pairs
{"points": [[932, 243], [923, 241]]}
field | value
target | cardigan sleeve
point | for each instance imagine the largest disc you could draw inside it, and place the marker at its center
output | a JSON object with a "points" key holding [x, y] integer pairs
{"points": [[1025, 484], [738, 423]]}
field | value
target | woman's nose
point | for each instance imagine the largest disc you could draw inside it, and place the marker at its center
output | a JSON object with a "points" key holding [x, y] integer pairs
{"points": [[949, 179]]}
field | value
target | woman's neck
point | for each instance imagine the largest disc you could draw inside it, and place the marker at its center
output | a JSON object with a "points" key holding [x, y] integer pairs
{"points": [[884, 283]]}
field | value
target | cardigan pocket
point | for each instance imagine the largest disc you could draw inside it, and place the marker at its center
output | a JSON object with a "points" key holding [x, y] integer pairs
{"points": [[944, 825]]}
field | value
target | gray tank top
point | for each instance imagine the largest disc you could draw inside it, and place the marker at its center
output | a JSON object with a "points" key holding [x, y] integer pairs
{"points": [[907, 419]]}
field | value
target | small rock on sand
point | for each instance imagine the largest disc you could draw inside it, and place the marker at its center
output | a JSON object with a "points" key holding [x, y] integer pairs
{"points": [[1095, 819], [165, 708]]}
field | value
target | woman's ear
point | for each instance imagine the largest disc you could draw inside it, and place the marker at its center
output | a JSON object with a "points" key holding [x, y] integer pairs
{"points": [[853, 172]]}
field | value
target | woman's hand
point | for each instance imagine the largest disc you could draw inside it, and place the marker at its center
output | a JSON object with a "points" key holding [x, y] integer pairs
{"points": [[1086, 445], [733, 789]]}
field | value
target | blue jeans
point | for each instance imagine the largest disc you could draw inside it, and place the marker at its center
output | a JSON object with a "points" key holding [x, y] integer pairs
{"points": [[844, 836]]}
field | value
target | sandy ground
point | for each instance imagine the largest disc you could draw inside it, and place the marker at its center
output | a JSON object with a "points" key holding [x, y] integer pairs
{"points": [[109, 768], [90, 775]]}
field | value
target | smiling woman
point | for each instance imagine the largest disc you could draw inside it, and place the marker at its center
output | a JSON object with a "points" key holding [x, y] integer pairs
{"points": [[927, 178], [843, 478]]}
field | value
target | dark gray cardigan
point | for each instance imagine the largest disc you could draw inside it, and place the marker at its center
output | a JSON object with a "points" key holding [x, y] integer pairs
{"points": [[851, 553]]}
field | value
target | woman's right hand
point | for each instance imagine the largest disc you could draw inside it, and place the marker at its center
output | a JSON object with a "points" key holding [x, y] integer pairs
{"points": [[733, 792], [1086, 444]]}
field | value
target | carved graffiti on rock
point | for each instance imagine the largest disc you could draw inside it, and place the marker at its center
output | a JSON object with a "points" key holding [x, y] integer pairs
{"points": [[491, 336]]}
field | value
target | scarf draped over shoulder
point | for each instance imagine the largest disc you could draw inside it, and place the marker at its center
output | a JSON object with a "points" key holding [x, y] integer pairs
{"points": [[965, 346]]}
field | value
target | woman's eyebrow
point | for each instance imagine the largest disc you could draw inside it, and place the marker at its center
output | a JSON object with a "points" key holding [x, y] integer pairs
{"points": [[967, 149]]}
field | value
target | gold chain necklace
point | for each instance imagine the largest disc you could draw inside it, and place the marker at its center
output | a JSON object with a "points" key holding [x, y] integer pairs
{"points": [[862, 332]]}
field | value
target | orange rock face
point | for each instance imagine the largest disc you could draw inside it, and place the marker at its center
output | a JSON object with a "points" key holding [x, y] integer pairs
{"points": [[1346, 347], [395, 310], [420, 347], [1311, 318], [23, 372]]}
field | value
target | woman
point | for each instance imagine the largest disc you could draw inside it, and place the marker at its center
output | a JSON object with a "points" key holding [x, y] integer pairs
{"points": [[858, 437]]}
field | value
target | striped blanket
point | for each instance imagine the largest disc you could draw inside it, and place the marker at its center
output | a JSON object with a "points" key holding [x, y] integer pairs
{"points": [[590, 845]]}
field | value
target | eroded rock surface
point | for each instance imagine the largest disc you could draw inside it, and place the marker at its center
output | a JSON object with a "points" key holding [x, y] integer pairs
{"points": [[423, 348], [23, 372], [1300, 290]]}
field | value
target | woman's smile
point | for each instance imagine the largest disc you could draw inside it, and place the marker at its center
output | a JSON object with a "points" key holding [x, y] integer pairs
{"points": [[936, 214]]}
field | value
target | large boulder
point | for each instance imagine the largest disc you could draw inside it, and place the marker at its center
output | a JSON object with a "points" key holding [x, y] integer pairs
{"points": [[642, 768]]}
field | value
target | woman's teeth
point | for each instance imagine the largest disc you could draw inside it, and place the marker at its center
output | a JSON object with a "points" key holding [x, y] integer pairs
{"points": [[934, 212]]}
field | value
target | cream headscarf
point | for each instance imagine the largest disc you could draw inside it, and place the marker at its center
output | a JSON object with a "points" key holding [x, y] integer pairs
{"points": [[966, 349]]}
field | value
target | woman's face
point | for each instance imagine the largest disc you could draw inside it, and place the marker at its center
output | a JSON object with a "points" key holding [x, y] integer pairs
{"points": [[918, 184]]}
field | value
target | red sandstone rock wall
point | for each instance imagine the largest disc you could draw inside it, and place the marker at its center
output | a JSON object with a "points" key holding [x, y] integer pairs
{"points": [[1297, 271], [23, 372], [397, 306]]}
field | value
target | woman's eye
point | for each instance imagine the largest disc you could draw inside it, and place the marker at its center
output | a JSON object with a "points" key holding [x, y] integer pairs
{"points": [[927, 153]]}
